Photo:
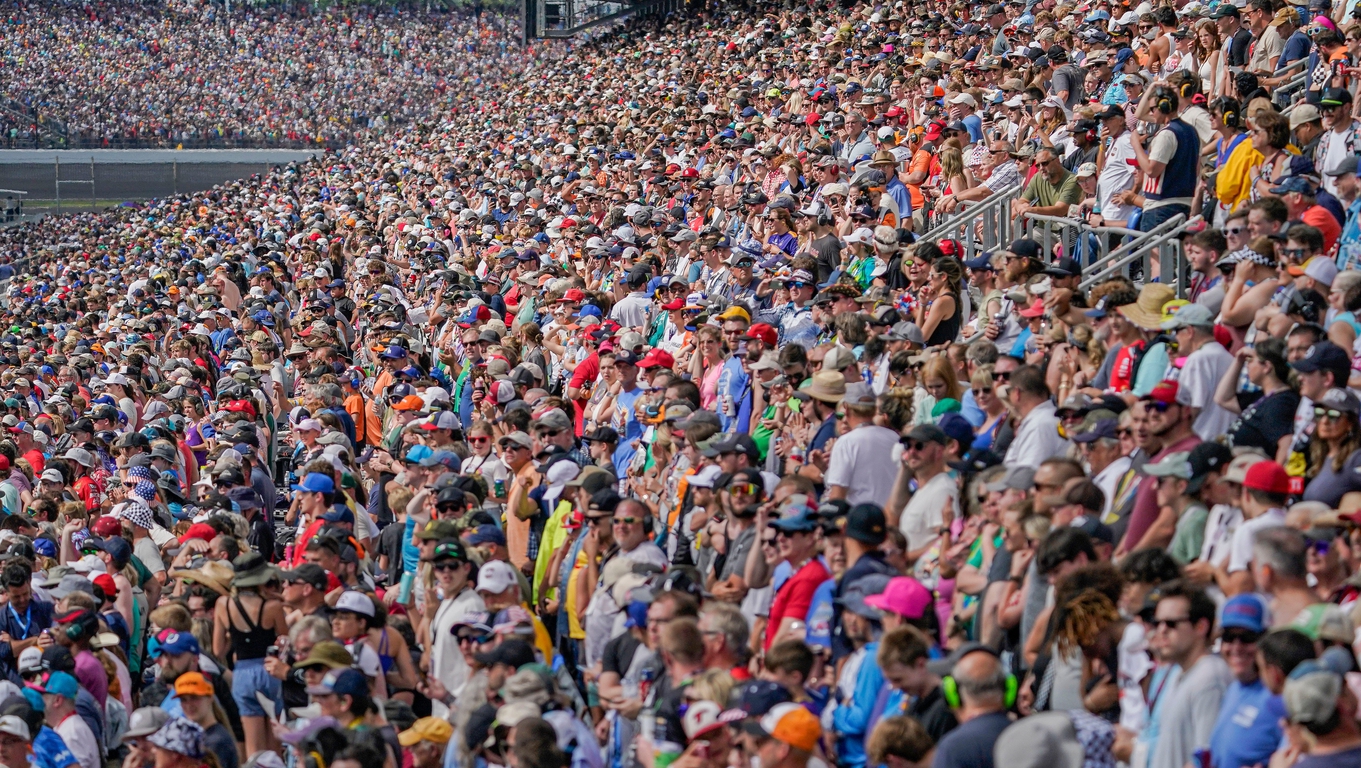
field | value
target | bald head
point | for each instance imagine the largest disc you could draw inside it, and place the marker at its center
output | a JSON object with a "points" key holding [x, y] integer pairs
{"points": [[982, 681]]}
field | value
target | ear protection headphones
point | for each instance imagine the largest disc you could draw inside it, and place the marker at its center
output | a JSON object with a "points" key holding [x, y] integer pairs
{"points": [[1228, 109], [82, 627], [824, 215], [1164, 99], [949, 687]]}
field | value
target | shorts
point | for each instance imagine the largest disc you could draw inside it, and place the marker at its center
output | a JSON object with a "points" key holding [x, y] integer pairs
{"points": [[248, 678], [1154, 217]]}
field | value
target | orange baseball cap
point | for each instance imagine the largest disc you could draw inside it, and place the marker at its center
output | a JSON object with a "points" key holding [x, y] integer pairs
{"points": [[410, 403], [790, 723], [193, 684]]}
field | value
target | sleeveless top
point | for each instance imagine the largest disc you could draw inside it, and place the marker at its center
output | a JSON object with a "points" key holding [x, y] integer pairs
{"points": [[948, 329], [252, 642], [1179, 177]]}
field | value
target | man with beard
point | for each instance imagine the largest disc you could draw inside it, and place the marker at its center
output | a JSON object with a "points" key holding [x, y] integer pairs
{"points": [[1171, 422], [746, 492]]}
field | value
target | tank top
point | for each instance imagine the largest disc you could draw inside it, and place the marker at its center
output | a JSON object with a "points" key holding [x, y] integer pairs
{"points": [[252, 642], [948, 330]]}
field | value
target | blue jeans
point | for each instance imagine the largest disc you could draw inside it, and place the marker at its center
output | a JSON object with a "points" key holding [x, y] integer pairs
{"points": [[250, 676]]}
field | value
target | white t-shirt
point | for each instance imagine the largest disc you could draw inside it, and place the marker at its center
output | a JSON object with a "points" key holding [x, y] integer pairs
{"points": [[1196, 386], [446, 660], [922, 519], [1240, 549], [1037, 438], [862, 463], [1116, 177], [80, 740]]}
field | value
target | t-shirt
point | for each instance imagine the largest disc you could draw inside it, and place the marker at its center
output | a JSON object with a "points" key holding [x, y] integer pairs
{"points": [[1329, 487], [1190, 534], [92, 677], [1344, 759], [934, 714], [1161, 149], [1196, 388], [863, 462], [827, 252], [922, 518], [1248, 729], [221, 743], [49, 750], [1318, 216], [1189, 714], [738, 551], [1266, 48], [1240, 548], [1068, 78], [146, 550], [618, 654], [1043, 193], [794, 598], [1265, 422], [970, 745], [80, 740]]}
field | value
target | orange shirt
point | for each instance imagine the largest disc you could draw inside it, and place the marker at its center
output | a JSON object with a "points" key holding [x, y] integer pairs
{"points": [[921, 161]]}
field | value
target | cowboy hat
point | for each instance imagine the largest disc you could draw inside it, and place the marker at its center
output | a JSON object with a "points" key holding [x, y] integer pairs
{"points": [[1147, 312], [215, 575]]}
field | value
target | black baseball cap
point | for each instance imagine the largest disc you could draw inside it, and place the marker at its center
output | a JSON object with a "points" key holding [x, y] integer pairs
{"points": [[866, 524], [512, 653], [1326, 356], [1064, 267], [308, 573], [1204, 459]]}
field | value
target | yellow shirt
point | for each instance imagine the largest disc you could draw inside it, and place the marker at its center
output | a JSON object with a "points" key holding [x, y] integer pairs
{"points": [[1233, 183]]}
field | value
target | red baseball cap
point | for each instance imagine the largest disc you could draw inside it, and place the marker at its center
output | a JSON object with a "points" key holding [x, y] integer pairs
{"points": [[657, 358], [674, 304], [107, 526], [765, 332], [1035, 309], [199, 531], [105, 582], [690, 173], [1164, 392], [572, 294], [1267, 476]]}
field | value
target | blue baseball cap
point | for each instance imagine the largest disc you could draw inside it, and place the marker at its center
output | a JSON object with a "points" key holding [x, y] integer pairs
{"points": [[487, 534], [1299, 184], [1245, 611], [315, 482], [957, 428], [637, 615], [175, 643], [797, 518], [416, 453], [60, 684], [344, 682], [394, 352], [339, 515], [447, 459]]}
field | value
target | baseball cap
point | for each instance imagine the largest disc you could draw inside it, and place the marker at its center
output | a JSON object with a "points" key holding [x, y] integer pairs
{"points": [[867, 524], [1311, 693], [904, 596], [59, 684], [1325, 356], [1164, 392], [433, 729], [308, 573], [796, 518], [512, 652], [791, 723], [1017, 478], [175, 643], [1246, 611], [753, 699], [1326, 622], [341, 682], [351, 601], [1267, 476], [315, 482], [700, 718], [1108, 428], [495, 577], [193, 684]]}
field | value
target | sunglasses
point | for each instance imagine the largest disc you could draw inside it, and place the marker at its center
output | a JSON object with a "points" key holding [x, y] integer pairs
{"points": [[1124, 433], [480, 440], [1003, 376], [747, 488], [446, 566], [1159, 407], [982, 391], [627, 520], [1319, 547], [799, 285], [914, 445], [479, 639], [1169, 623], [1296, 253], [1328, 413], [549, 433], [1235, 635], [768, 542]]}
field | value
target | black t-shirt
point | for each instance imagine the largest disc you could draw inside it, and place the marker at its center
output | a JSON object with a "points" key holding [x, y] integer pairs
{"points": [[618, 654], [1238, 49], [1265, 422], [390, 544], [827, 251], [970, 745], [934, 714], [219, 741]]}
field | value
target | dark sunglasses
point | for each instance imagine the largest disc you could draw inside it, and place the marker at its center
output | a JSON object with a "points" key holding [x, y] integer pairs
{"points": [[1001, 376], [1330, 413], [549, 433], [1158, 406], [1169, 623], [1237, 635], [483, 439], [479, 639], [627, 520], [982, 391], [450, 566], [914, 445]]}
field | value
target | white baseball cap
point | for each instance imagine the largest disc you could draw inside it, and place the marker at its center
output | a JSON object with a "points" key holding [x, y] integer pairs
{"points": [[31, 660], [15, 726], [355, 602], [495, 577]]}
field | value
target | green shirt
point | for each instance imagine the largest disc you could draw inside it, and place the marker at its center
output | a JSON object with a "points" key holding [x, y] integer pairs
{"points": [[1042, 193], [1190, 535]]}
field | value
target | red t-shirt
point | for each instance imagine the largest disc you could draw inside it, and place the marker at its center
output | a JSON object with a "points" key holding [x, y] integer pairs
{"points": [[35, 460], [1319, 217], [1146, 509], [586, 372], [796, 596], [1122, 369]]}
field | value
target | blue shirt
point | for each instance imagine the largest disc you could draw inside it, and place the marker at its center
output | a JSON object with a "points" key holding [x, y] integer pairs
{"points": [[49, 750], [629, 429], [1248, 729], [975, 125], [819, 618], [732, 382], [970, 745]]}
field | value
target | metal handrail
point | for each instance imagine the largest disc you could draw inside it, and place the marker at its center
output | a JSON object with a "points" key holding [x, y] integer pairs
{"points": [[981, 226]]}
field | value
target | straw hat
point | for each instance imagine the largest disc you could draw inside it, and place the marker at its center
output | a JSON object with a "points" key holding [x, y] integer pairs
{"points": [[215, 575], [1147, 312], [827, 386]]}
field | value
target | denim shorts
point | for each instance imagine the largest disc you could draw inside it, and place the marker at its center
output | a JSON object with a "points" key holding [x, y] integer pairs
{"points": [[250, 676]]}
